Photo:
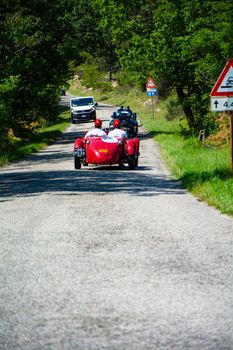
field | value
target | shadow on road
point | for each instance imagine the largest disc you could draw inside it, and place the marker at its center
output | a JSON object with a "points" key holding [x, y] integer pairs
{"points": [[96, 180]]}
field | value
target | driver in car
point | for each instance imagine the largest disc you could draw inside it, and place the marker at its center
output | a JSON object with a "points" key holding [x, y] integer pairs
{"points": [[117, 131], [97, 131]]}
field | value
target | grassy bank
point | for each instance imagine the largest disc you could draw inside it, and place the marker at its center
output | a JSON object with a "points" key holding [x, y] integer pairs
{"points": [[204, 171], [42, 137]]}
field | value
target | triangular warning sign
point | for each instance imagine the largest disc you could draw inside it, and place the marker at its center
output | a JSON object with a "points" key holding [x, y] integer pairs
{"points": [[224, 84], [150, 84]]}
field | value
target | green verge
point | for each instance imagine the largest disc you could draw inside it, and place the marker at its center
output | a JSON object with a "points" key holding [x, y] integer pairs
{"points": [[39, 139], [204, 171]]}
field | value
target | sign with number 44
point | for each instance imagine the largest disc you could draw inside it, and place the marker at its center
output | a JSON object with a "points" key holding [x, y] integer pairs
{"points": [[221, 104]]}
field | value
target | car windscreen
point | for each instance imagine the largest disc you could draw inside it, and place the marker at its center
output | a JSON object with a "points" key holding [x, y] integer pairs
{"points": [[82, 102], [124, 112], [120, 117]]}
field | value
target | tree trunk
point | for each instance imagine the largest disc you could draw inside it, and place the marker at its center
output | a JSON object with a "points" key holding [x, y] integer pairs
{"points": [[110, 75], [187, 109]]}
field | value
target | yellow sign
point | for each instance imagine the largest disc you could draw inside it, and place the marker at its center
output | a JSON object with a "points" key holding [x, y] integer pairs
{"points": [[103, 150]]}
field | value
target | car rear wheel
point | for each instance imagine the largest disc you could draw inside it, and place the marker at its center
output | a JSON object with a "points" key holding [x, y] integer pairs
{"points": [[131, 162], [77, 163]]}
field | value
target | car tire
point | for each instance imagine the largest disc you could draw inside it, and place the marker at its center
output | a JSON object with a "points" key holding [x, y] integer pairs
{"points": [[77, 163], [131, 162]]}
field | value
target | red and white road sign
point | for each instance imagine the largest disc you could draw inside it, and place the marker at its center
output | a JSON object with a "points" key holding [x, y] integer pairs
{"points": [[150, 84], [224, 85]]}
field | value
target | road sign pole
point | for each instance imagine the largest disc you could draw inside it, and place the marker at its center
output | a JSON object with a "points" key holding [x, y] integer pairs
{"points": [[231, 139], [153, 106]]}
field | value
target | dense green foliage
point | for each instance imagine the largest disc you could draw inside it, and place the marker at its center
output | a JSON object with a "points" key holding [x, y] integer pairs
{"points": [[38, 40], [182, 44]]}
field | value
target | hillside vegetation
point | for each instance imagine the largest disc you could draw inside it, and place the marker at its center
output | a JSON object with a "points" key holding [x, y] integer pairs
{"points": [[183, 45]]}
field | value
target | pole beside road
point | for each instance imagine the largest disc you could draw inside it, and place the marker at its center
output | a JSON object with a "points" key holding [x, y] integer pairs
{"points": [[151, 91]]}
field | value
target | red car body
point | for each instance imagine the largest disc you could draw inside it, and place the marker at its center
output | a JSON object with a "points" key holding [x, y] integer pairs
{"points": [[106, 151]]}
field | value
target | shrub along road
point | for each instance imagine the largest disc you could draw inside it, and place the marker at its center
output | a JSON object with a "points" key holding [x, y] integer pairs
{"points": [[103, 258]]}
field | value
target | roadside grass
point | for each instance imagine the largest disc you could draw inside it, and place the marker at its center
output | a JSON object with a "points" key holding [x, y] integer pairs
{"points": [[204, 171], [39, 139]]}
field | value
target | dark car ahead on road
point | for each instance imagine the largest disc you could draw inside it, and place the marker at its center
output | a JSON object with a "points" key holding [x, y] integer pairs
{"points": [[128, 120], [83, 108]]}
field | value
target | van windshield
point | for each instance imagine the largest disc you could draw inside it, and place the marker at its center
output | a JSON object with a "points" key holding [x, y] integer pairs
{"points": [[82, 102]]}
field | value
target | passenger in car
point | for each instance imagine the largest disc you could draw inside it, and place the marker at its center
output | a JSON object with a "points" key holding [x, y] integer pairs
{"points": [[97, 131], [129, 110], [117, 131]]}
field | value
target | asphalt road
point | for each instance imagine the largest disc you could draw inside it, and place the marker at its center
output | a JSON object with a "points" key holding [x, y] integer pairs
{"points": [[107, 258]]}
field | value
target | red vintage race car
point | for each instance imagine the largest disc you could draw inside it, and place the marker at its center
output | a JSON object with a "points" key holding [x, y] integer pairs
{"points": [[105, 150]]}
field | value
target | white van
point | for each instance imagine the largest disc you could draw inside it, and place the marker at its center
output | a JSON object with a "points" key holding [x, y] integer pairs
{"points": [[83, 108]]}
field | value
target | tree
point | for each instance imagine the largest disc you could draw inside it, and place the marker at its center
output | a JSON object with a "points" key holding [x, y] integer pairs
{"points": [[182, 43], [37, 41]]}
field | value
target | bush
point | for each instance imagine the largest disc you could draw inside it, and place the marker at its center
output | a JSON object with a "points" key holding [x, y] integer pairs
{"points": [[174, 109], [221, 126], [91, 77]]}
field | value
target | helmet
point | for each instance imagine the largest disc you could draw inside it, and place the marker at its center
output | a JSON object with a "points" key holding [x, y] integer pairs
{"points": [[98, 123], [117, 123]]}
